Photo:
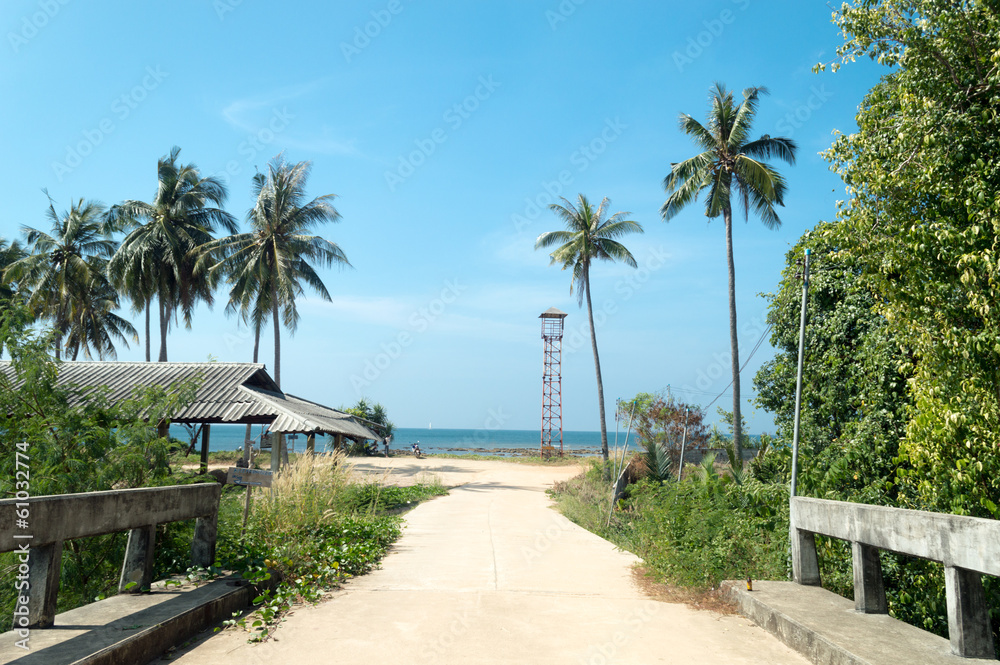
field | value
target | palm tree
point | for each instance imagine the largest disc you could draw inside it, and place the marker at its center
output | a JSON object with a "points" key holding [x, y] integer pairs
{"points": [[92, 321], [159, 254], [9, 253], [589, 236], [267, 266], [59, 267], [730, 168]]}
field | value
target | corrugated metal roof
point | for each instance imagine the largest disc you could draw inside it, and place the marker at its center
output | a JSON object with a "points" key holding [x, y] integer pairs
{"points": [[229, 393], [300, 415]]}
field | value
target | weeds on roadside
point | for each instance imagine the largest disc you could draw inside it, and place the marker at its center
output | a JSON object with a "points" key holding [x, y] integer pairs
{"points": [[314, 528]]}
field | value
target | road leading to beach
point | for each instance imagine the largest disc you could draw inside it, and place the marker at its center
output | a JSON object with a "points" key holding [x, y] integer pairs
{"points": [[492, 574]]}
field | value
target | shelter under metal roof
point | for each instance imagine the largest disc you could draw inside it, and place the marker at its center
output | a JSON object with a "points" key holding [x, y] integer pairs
{"points": [[236, 393]]}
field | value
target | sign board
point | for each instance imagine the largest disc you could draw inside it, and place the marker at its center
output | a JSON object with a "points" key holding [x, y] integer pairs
{"points": [[252, 477]]}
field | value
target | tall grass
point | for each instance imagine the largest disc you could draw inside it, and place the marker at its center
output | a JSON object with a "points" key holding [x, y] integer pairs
{"points": [[696, 532], [307, 492]]}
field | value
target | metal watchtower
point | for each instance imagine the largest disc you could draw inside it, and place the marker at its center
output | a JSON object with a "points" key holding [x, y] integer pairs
{"points": [[552, 334]]}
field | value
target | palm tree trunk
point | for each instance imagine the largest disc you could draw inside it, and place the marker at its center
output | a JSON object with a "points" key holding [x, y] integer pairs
{"points": [[148, 303], [600, 382], [279, 443], [277, 334], [249, 435], [256, 343], [164, 322], [733, 341]]}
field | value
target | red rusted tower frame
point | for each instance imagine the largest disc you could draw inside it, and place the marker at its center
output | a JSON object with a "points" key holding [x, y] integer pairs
{"points": [[552, 334]]}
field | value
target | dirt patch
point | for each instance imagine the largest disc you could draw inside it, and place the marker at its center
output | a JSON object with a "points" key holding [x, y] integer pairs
{"points": [[697, 599]]}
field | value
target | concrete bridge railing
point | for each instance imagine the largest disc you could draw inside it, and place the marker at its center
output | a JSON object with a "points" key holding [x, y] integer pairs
{"points": [[969, 547], [39, 525]]}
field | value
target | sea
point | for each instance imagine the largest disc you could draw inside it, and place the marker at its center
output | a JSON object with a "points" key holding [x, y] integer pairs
{"points": [[497, 442]]}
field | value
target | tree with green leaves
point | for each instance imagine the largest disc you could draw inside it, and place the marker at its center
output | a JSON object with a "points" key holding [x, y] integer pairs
{"points": [[93, 323], [159, 255], [730, 170], [267, 266], [61, 265], [10, 251], [920, 229], [854, 400], [375, 414], [590, 235], [662, 425]]}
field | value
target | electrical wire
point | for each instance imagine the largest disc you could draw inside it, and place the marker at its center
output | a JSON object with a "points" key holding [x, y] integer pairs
{"points": [[745, 363]]}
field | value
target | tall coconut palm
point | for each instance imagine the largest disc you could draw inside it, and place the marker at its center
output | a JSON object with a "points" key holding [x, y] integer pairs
{"points": [[93, 324], [267, 266], [731, 169], [58, 268], [589, 235], [159, 254]]}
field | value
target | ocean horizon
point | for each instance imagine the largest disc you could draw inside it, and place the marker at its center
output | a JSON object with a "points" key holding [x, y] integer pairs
{"points": [[432, 440], [435, 440]]}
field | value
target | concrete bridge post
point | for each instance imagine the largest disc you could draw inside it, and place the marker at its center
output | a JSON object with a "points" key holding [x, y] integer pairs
{"points": [[968, 614], [805, 561], [44, 566], [137, 569], [869, 591]]}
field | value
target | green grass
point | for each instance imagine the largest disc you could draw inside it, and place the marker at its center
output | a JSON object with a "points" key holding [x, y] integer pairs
{"points": [[693, 533]]}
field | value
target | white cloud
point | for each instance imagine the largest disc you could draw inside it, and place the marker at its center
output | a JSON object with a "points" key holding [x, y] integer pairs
{"points": [[252, 115]]}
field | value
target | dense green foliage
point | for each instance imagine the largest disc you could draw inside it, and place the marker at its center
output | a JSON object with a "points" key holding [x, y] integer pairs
{"points": [[697, 532], [854, 400], [920, 230], [75, 445], [854, 413]]}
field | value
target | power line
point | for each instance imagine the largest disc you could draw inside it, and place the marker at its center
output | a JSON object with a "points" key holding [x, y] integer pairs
{"points": [[745, 363]]}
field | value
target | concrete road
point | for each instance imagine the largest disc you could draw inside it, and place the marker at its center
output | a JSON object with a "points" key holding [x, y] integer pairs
{"points": [[492, 574]]}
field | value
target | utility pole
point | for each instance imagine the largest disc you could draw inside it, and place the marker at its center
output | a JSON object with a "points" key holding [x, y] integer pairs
{"points": [[684, 438], [798, 380]]}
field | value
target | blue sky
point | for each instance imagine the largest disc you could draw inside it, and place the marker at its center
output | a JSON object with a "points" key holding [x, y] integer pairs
{"points": [[445, 129]]}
